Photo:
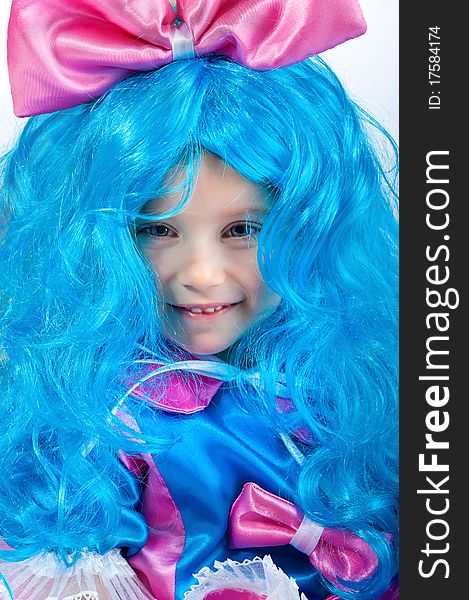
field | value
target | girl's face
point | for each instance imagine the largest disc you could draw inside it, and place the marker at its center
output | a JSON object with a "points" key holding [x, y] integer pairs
{"points": [[206, 259]]}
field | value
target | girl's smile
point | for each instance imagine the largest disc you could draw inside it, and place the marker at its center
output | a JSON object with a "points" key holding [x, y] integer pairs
{"points": [[205, 259], [209, 311]]}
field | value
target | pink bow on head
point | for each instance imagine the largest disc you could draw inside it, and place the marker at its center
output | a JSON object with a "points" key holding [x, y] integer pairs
{"points": [[62, 53], [259, 518]]}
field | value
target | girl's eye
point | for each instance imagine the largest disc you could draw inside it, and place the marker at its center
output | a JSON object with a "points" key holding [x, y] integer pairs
{"points": [[157, 231], [244, 229]]}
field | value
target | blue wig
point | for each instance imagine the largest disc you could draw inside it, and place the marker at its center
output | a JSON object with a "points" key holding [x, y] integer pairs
{"points": [[77, 296]]}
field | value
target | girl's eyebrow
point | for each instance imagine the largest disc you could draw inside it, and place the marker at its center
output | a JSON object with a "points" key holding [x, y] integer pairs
{"points": [[261, 211], [252, 208], [238, 213]]}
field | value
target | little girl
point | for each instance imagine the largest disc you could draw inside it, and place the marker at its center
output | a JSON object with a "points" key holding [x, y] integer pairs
{"points": [[198, 311]]}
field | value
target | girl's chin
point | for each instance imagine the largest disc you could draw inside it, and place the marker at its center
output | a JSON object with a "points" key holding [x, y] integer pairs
{"points": [[200, 349], [209, 351]]}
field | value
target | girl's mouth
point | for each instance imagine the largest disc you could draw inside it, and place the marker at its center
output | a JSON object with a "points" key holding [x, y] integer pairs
{"points": [[208, 311]]}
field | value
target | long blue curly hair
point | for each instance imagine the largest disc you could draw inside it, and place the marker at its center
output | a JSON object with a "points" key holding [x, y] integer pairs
{"points": [[77, 297]]}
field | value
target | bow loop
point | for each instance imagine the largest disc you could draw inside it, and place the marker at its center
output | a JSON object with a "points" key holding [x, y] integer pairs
{"points": [[343, 555], [62, 53], [259, 518]]}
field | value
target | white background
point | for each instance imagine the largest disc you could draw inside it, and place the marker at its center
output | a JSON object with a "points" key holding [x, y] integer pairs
{"points": [[368, 67]]}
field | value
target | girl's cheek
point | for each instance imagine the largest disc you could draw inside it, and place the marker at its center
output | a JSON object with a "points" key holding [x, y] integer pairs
{"points": [[158, 260]]}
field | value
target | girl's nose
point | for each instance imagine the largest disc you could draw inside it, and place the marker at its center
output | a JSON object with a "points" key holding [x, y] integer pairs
{"points": [[202, 272]]}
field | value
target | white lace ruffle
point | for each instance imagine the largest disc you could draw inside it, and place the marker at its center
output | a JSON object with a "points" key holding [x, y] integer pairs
{"points": [[93, 577], [257, 575], [108, 577]]}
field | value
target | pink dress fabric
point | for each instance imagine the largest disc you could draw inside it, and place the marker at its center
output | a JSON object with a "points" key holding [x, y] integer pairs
{"points": [[162, 551]]}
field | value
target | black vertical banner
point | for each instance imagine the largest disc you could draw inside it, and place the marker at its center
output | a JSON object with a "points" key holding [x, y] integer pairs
{"points": [[434, 361]]}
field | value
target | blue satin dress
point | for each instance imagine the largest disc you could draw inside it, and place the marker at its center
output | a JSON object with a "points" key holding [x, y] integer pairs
{"points": [[216, 451]]}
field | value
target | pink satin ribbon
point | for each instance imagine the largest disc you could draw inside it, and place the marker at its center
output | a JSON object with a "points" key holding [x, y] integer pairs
{"points": [[62, 53], [155, 564], [259, 518]]}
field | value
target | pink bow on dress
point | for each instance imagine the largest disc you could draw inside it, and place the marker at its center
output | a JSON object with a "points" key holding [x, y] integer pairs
{"points": [[259, 518], [62, 53]]}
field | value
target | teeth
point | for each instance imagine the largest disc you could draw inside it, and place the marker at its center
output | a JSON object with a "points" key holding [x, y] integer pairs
{"points": [[196, 310]]}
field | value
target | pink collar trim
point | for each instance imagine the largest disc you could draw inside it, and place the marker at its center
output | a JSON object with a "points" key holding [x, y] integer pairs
{"points": [[174, 392]]}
